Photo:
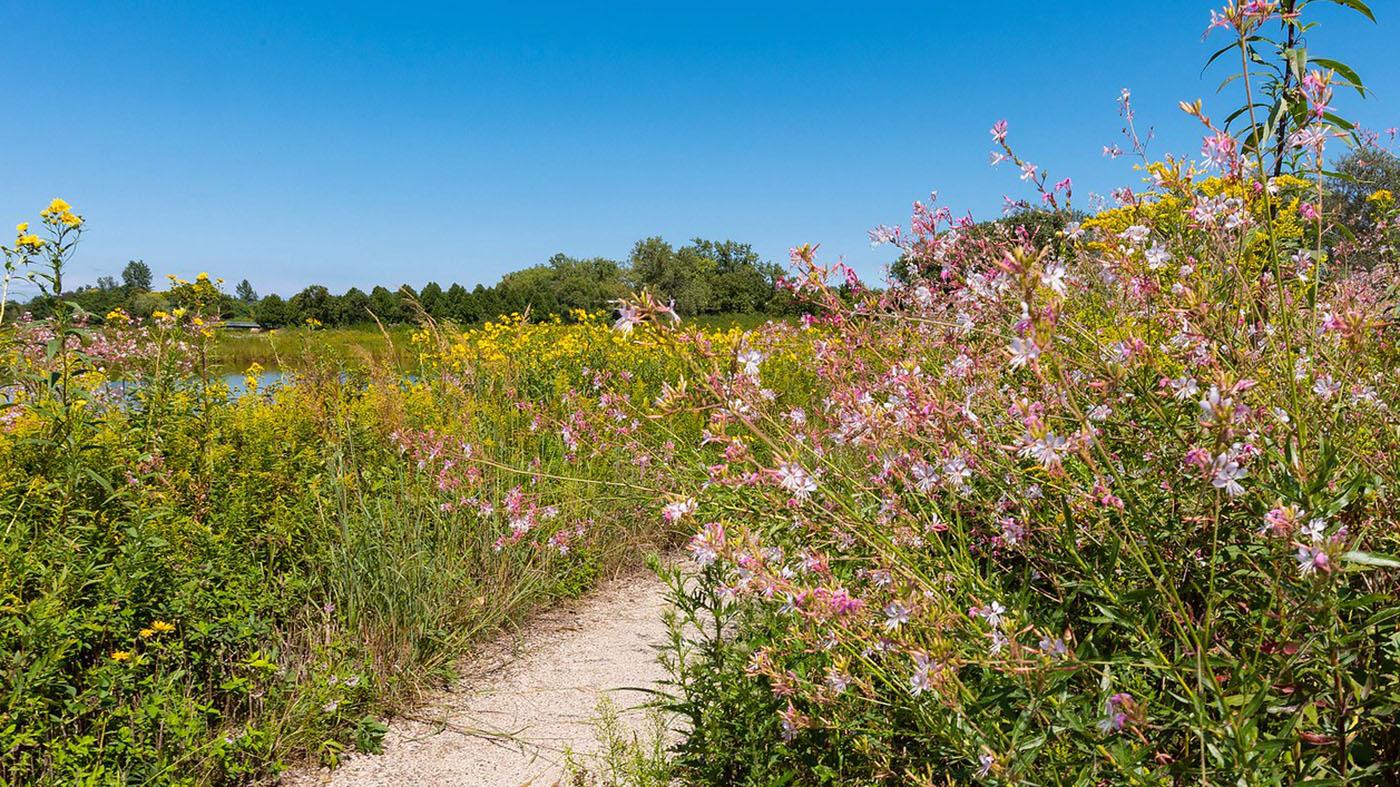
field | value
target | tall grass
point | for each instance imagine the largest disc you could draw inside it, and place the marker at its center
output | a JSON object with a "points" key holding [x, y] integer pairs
{"points": [[293, 348], [202, 588]]}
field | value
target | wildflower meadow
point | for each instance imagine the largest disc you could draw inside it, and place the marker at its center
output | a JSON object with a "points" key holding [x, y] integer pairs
{"points": [[1103, 492]]}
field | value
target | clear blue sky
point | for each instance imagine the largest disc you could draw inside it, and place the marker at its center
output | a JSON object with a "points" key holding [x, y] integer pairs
{"points": [[348, 144]]}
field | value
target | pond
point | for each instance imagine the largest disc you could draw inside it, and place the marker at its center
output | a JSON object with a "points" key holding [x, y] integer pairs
{"points": [[238, 383]]}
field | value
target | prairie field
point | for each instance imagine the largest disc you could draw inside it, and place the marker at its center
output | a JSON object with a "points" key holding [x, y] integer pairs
{"points": [[292, 348], [359, 347], [1096, 492]]}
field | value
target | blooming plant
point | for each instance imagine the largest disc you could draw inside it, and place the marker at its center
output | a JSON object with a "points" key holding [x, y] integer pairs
{"points": [[1079, 498], [201, 587], [1113, 506]]}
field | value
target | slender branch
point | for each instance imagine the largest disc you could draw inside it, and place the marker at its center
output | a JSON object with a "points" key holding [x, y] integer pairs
{"points": [[1289, 44]]}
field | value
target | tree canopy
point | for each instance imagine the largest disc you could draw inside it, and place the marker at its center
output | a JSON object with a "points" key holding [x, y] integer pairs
{"points": [[702, 277]]}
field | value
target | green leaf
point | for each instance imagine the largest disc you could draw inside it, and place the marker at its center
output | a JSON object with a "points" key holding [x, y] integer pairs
{"points": [[1344, 70], [1297, 61], [1368, 559], [1222, 50], [100, 479], [1242, 110], [1226, 83], [1338, 121], [1357, 6]]}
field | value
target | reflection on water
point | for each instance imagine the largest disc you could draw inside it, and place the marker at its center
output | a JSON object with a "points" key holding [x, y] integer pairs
{"points": [[238, 383], [121, 391]]}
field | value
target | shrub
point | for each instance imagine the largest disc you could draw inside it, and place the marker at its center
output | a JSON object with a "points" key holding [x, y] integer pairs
{"points": [[201, 588], [1109, 507]]}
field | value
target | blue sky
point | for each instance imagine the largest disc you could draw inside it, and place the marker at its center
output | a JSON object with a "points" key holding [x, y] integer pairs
{"points": [[351, 144]]}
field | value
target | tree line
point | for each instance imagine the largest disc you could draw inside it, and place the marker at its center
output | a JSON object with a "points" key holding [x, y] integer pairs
{"points": [[702, 277]]}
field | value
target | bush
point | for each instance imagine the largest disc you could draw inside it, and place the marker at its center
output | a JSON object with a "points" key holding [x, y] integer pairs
{"points": [[202, 588], [1112, 506]]}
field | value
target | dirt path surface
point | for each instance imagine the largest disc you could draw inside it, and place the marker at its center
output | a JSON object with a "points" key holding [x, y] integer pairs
{"points": [[526, 698]]}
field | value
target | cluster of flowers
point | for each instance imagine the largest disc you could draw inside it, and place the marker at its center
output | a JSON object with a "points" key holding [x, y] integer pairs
{"points": [[1028, 477], [457, 479]]}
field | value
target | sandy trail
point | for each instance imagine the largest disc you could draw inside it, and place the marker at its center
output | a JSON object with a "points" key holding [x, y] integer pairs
{"points": [[526, 698]]}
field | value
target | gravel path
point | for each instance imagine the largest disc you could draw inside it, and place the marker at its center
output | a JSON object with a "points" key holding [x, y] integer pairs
{"points": [[526, 698]]}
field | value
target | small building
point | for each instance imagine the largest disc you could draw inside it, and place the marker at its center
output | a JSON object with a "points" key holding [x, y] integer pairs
{"points": [[251, 326]]}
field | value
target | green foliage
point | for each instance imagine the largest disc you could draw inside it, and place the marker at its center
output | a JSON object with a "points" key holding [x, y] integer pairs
{"points": [[352, 308], [274, 312], [1271, 73], [245, 293], [314, 303], [386, 305], [705, 277], [626, 758], [1365, 225], [197, 588], [1023, 225], [136, 276]]}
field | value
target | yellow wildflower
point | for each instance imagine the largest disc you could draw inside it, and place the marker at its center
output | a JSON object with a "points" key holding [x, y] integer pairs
{"points": [[1382, 197], [21, 228], [121, 655], [147, 633], [59, 211], [162, 626]]}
